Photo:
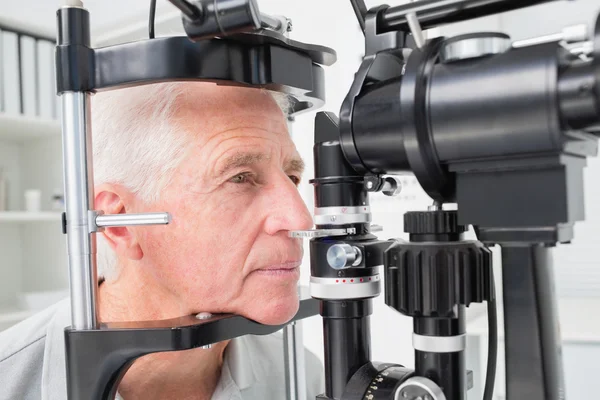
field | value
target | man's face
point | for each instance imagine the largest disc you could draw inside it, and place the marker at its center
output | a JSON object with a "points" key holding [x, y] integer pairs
{"points": [[233, 201]]}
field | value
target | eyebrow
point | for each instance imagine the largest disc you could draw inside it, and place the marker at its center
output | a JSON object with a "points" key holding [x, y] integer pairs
{"points": [[240, 160], [295, 165]]}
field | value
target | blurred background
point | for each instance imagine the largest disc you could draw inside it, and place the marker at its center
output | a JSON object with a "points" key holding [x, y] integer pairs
{"points": [[33, 268]]}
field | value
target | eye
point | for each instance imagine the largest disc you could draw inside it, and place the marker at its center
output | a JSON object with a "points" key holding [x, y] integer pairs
{"points": [[295, 179], [245, 177]]}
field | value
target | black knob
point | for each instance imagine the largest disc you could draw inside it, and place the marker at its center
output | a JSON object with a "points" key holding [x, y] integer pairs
{"points": [[432, 222], [436, 271]]}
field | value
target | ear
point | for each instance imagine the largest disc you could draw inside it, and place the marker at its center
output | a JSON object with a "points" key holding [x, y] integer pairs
{"points": [[112, 200]]}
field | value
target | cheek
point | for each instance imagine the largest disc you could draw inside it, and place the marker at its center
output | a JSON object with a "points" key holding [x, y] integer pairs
{"points": [[205, 248]]}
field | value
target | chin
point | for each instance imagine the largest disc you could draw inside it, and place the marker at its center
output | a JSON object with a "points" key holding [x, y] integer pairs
{"points": [[274, 310]]}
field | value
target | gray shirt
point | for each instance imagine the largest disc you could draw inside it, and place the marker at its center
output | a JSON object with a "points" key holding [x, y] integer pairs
{"points": [[32, 363]]}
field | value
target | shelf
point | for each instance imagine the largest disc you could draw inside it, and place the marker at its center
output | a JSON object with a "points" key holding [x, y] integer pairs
{"points": [[23, 216], [20, 128]]}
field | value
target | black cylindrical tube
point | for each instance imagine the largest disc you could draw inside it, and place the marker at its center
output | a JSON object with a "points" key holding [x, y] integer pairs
{"points": [[346, 334], [336, 183], [340, 192], [446, 369], [501, 105], [432, 13], [579, 104], [73, 26], [377, 127]]}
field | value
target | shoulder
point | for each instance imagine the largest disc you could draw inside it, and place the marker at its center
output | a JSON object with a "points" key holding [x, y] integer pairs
{"points": [[22, 350], [266, 356], [272, 348]]}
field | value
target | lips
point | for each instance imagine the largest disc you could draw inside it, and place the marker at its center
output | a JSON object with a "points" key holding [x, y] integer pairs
{"points": [[289, 265]]}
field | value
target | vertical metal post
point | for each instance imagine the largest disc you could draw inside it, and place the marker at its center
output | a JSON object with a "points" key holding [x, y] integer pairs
{"points": [[74, 30], [295, 379], [79, 192]]}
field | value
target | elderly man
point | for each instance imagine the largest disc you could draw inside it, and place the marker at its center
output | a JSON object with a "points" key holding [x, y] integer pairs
{"points": [[221, 161]]}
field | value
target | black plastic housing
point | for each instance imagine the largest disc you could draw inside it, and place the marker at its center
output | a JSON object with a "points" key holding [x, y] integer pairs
{"points": [[222, 18]]}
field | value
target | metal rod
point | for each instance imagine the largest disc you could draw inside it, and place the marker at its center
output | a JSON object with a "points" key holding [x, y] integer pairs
{"points": [[415, 29], [360, 9], [79, 184], [572, 34], [270, 22], [555, 37], [105, 221], [295, 375], [188, 9], [432, 13]]}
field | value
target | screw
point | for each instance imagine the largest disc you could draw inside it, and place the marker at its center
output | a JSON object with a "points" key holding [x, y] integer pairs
{"points": [[333, 218], [369, 185], [290, 26], [340, 274], [405, 394], [204, 315]]}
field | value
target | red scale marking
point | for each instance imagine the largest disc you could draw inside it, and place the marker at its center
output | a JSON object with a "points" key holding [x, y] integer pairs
{"points": [[351, 280], [344, 281], [337, 281], [361, 279]]}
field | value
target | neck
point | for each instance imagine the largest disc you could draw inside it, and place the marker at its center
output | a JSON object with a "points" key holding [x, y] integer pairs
{"points": [[134, 296]]}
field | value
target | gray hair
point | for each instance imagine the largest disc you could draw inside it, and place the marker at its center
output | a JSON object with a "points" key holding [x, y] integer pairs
{"points": [[137, 145]]}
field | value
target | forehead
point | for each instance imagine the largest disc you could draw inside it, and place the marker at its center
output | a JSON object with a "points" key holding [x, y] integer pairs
{"points": [[208, 110]]}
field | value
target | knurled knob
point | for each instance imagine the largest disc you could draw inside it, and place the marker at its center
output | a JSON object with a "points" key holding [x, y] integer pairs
{"points": [[433, 222], [428, 279]]}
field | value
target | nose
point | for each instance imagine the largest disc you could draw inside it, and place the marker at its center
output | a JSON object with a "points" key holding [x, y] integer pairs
{"points": [[286, 209]]}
